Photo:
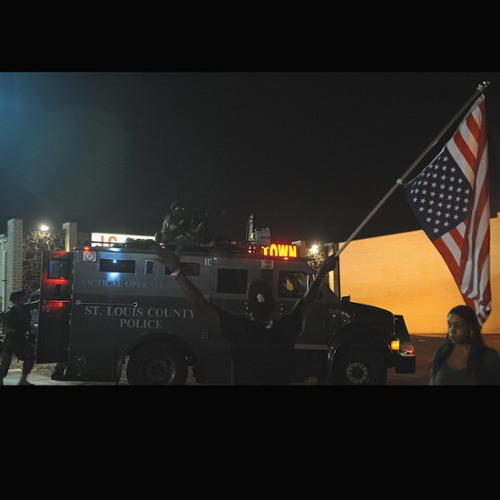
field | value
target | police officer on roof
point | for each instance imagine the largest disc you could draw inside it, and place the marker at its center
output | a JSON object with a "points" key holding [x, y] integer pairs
{"points": [[175, 223], [15, 324]]}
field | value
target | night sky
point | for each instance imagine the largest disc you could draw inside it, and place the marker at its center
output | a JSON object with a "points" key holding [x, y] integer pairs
{"points": [[309, 154]]}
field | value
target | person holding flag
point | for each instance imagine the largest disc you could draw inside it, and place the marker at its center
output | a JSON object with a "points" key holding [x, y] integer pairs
{"points": [[450, 199]]}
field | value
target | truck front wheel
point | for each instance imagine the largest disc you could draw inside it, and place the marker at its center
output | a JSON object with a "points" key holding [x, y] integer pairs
{"points": [[157, 364], [356, 365]]}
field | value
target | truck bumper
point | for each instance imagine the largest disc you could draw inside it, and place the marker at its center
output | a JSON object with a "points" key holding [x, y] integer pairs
{"points": [[405, 362]]}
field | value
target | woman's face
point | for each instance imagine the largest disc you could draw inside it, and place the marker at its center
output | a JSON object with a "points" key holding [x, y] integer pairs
{"points": [[459, 331]]}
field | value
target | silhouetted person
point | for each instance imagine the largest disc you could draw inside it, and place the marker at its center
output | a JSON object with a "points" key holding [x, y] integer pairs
{"points": [[261, 347]]}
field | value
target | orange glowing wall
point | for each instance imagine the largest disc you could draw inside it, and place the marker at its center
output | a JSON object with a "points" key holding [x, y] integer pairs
{"points": [[405, 274]]}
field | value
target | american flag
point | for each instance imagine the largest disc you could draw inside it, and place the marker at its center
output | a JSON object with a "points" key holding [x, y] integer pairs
{"points": [[450, 199]]}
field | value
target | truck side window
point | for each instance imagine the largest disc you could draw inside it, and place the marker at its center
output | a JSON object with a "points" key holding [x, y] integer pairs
{"points": [[232, 280], [188, 268], [149, 267], [292, 284], [58, 269], [116, 266]]}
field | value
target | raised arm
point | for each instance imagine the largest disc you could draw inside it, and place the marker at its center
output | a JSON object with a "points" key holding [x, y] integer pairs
{"points": [[195, 297]]}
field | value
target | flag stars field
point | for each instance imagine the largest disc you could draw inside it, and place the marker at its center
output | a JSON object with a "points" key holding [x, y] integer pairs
{"points": [[449, 187]]}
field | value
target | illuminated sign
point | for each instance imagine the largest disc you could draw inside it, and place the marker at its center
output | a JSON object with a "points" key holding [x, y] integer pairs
{"points": [[286, 251], [102, 239]]}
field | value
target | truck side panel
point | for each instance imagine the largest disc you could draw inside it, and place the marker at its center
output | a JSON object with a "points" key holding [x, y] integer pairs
{"points": [[98, 305], [122, 297]]}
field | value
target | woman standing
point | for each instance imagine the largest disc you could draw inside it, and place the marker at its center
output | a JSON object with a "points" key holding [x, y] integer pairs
{"points": [[464, 359]]}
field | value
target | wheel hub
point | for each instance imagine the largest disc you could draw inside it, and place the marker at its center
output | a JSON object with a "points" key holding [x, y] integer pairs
{"points": [[358, 373], [159, 370]]}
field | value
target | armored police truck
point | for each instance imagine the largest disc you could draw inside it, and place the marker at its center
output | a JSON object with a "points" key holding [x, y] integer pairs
{"points": [[101, 308]]}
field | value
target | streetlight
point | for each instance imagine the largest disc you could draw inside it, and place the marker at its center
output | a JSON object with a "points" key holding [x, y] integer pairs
{"points": [[43, 227]]}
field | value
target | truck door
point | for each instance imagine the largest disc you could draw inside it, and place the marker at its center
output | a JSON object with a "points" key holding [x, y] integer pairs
{"points": [[229, 278], [292, 283], [55, 307], [229, 282]]}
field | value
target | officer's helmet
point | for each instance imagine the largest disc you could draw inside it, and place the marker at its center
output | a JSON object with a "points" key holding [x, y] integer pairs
{"points": [[16, 295]]}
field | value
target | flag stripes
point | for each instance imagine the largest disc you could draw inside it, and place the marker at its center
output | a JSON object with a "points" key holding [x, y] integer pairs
{"points": [[450, 198]]}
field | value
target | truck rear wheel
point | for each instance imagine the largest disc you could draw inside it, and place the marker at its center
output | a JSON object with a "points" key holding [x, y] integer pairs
{"points": [[157, 364], [357, 365]]}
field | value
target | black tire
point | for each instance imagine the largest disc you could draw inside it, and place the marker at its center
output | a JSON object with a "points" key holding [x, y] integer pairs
{"points": [[157, 363], [357, 365]]}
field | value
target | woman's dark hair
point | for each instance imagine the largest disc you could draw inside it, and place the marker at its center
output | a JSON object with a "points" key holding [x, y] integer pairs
{"points": [[475, 362]]}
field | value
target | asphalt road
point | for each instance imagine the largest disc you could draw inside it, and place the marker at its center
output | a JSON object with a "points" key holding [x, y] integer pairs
{"points": [[425, 345]]}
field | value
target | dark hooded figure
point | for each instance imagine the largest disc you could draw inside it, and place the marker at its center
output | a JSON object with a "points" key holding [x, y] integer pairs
{"points": [[15, 324], [261, 347]]}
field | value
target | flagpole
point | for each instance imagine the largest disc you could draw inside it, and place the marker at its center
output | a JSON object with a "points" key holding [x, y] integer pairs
{"points": [[400, 181]]}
